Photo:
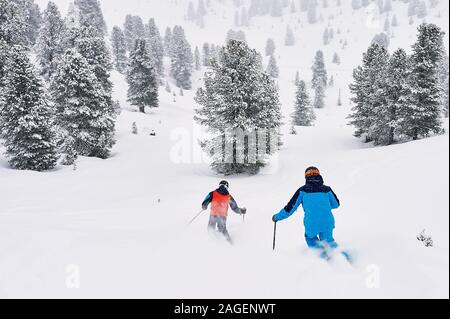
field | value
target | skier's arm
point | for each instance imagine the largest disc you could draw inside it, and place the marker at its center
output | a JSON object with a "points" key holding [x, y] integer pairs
{"points": [[334, 200], [234, 206], [290, 208], [207, 201]]}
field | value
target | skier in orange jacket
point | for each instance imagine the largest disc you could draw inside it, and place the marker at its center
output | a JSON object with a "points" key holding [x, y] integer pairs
{"points": [[220, 200]]}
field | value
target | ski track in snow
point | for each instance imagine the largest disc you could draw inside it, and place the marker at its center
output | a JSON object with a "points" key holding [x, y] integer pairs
{"points": [[123, 221]]}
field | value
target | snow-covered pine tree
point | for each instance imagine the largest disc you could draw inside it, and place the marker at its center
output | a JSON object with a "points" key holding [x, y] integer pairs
{"points": [[319, 96], [326, 37], [4, 48], [382, 39], [319, 71], [128, 32], [197, 63], [331, 81], [272, 67], [331, 33], [214, 52], [339, 102], [235, 35], [289, 39], [155, 44], [393, 91], [422, 10], [34, 22], [422, 114], [12, 32], [168, 42], [443, 74], [92, 46], [312, 11], [182, 59], [90, 14], [387, 99], [142, 78], [304, 113], [297, 78], [134, 128], [336, 59], [191, 15], [238, 96], [48, 46], [32, 17], [70, 153], [270, 47], [27, 118], [200, 21], [133, 29], [83, 111], [13, 26], [201, 9], [412, 7], [433, 3], [119, 49], [206, 54], [72, 19], [319, 80], [446, 98], [359, 115], [366, 83], [394, 21], [168, 89]]}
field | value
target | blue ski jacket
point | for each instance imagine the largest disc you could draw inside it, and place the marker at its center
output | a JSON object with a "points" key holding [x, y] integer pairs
{"points": [[318, 201]]}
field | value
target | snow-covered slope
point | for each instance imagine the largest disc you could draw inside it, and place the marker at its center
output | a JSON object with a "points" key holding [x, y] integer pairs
{"points": [[123, 221]]}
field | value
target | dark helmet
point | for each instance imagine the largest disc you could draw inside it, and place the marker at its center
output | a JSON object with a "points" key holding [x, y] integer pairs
{"points": [[224, 183]]}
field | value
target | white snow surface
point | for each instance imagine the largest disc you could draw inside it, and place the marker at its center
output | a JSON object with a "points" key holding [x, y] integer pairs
{"points": [[123, 222]]}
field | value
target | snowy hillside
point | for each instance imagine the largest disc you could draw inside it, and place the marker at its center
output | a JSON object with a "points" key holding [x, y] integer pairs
{"points": [[123, 222]]}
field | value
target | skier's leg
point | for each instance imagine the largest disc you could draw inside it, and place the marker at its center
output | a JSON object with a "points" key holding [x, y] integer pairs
{"points": [[222, 225], [212, 223], [312, 242], [327, 238]]}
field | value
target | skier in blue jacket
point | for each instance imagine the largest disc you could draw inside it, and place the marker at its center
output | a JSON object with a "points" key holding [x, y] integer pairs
{"points": [[318, 201]]}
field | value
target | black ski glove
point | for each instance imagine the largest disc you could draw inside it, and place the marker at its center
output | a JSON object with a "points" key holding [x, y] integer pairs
{"points": [[274, 219], [243, 211]]}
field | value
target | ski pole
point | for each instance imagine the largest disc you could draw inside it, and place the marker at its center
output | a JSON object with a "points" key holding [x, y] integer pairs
{"points": [[274, 234], [196, 216], [243, 214]]}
